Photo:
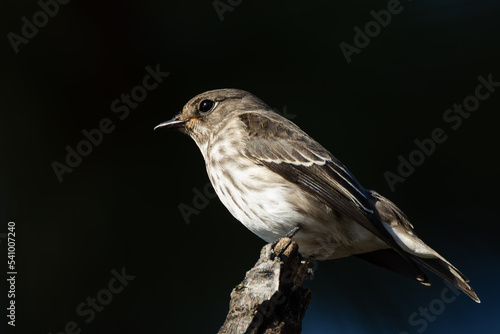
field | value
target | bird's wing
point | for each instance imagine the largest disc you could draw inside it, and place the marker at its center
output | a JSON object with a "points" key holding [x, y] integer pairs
{"points": [[282, 147]]}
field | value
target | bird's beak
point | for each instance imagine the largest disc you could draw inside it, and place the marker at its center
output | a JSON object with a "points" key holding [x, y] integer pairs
{"points": [[175, 122]]}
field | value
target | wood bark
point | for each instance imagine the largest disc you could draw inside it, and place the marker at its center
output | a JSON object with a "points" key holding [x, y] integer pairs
{"points": [[271, 299]]}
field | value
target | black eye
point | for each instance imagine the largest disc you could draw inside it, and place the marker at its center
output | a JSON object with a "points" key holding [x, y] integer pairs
{"points": [[206, 106]]}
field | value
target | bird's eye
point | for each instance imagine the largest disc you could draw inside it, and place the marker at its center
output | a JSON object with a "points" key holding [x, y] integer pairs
{"points": [[206, 106]]}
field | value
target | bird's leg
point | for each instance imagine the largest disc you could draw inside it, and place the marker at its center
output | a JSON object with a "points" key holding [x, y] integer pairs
{"points": [[289, 235], [293, 232]]}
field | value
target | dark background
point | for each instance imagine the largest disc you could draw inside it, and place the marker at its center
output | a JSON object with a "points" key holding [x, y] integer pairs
{"points": [[119, 207]]}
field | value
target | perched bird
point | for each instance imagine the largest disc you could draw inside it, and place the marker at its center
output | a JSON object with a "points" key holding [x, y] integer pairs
{"points": [[274, 178]]}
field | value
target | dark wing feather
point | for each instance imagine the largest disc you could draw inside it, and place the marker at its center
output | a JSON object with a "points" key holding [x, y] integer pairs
{"points": [[391, 260], [281, 146]]}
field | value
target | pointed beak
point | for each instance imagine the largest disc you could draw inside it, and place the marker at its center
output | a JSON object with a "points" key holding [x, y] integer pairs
{"points": [[173, 123]]}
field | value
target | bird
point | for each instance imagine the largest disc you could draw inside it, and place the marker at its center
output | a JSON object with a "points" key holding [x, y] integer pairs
{"points": [[277, 181]]}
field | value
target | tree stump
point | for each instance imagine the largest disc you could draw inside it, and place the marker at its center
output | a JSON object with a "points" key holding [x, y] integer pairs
{"points": [[271, 299]]}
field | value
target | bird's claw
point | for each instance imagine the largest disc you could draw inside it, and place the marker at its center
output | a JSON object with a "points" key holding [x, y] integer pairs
{"points": [[289, 235]]}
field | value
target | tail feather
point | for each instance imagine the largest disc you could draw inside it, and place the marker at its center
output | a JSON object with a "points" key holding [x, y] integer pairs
{"points": [[391, 260], [429, 258], [444, 269], [397, 224]]}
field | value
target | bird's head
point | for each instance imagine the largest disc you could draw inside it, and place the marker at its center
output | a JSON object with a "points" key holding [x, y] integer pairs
{"points": [[204, 113]]}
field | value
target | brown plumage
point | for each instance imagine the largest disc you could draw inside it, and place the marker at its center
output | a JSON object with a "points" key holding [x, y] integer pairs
{"points": [[273, 177]]}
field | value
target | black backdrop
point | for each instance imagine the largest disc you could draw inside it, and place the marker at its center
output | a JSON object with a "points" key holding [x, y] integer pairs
{"points": [[118, 209]]}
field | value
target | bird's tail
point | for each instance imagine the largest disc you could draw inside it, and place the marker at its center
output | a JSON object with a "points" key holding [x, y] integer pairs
{"points": [[395, 221], [447, 271]]}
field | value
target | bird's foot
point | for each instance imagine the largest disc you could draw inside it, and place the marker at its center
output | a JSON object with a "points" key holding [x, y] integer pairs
{"points": [[293, 232], [289, 235]]}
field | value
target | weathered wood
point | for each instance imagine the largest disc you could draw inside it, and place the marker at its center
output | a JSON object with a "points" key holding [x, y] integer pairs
{"points": [[271, 299]]}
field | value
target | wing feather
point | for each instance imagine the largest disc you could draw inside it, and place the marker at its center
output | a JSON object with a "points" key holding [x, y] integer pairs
{"points": [[284, 148], [281, 146], [288, 151]]}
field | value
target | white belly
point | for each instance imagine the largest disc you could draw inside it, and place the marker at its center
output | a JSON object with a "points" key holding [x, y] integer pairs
{"points": [[270, 206], [257, 198]]}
